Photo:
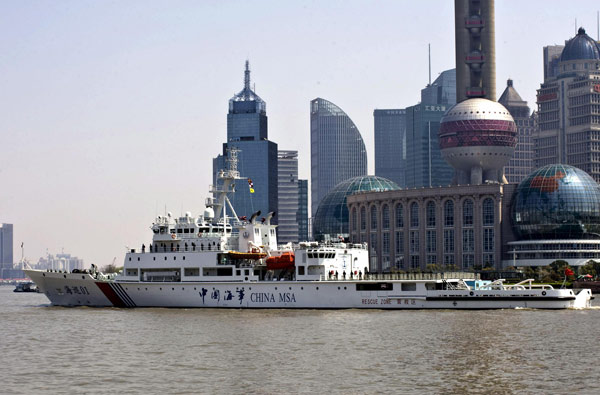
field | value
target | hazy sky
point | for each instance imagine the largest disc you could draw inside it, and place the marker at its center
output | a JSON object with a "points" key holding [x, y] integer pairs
{"points": [[112, 110]]}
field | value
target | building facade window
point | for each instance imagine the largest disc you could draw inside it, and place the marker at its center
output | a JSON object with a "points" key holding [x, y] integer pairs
{"points": [[449, 241], [399, 243], [468, 213], [430, 241], [488, 240], [488, 212], [449, 214], [414, 262], [468, 240], [373, 217], [468, 261], [430, 214], [449, 260], [414, 215], [354, 219], [399, 216], [385, 243], [385, 217], [363, 218], [414, 241]]}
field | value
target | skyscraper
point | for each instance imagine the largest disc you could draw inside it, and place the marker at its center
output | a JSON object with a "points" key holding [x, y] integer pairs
{"points": [[521, 164], [337, 150], [424, 165], [569, 120], [6, 245], [551, 59], [390, 144], [257, 157], [287, 190], [302, 216]]}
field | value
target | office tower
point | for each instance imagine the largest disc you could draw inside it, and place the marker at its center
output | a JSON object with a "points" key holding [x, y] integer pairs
{"points": [[337, 150], [287, 190], [551, 59], [390, 144], [424, 165], [475, 49], [521, 164], [257, 156], [302, 216], [6, 245], [569, 120]]}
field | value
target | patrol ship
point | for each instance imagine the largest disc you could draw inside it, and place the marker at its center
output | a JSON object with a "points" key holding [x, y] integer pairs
{"points": [[223, 261]]}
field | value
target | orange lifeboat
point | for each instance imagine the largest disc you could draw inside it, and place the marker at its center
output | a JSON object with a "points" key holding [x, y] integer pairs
{"points": [[283, 261]]}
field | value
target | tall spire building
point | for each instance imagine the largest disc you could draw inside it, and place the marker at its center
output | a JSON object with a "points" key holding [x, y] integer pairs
{"points": [[257, 157], [475, 49], [337, 150]]}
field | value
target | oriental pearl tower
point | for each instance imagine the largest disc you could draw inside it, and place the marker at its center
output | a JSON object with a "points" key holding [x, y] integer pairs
{"points": [[477, 135]]}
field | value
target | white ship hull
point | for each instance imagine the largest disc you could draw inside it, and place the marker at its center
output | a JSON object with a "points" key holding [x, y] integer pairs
{"points": [[78, 289]]}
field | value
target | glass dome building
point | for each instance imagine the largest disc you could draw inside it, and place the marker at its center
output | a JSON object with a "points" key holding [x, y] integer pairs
{"points": [[557, 202], [332, 218]]}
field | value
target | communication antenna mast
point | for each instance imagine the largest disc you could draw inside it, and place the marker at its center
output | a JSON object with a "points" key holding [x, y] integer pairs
{"points": [[247, 75], [429, 45]]}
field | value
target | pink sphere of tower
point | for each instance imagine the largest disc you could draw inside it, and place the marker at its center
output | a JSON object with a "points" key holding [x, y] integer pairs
{"points": [[478, 137]]}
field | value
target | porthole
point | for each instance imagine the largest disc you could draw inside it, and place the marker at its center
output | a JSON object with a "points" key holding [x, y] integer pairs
{"points": [[153, 258], [165, 258], [317, 288], [160, 289], [173, 289], [83, 277], [301, 287]]}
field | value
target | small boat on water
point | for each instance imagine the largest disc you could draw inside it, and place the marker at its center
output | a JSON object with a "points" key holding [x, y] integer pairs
{"points": [[26, 287], [220, 261]]}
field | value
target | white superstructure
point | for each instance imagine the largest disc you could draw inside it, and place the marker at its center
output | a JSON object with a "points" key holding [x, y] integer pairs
{"points": [[218, 260]]}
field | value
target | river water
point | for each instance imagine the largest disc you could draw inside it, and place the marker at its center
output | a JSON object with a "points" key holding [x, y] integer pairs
{"points": [[45, 349]]}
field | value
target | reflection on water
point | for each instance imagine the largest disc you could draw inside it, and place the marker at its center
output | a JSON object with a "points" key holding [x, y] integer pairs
{"points": [[87, 350]]}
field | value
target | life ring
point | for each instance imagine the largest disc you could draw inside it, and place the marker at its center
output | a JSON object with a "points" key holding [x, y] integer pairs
{"points": [[471, 293], [543, 293], [173, 236]]}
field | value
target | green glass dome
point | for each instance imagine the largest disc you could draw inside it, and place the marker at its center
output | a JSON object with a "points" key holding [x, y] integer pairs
{"points": [[332, 216], [557, 202]]}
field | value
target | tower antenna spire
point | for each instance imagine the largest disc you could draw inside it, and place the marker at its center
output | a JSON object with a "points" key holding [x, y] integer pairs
{"points": [[429, 46], [247, 75]]}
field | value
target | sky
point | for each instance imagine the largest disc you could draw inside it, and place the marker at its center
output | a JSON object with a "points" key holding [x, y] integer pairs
{"points": [[111, 111]]}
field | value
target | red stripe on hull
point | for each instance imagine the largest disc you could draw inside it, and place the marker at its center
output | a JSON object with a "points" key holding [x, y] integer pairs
{"points": [[111, 294]]}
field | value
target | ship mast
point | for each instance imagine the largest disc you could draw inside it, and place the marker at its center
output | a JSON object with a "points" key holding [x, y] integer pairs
{"points": [[219, 202]]}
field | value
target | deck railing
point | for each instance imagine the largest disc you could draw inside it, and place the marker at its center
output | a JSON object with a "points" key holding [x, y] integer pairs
{"points": [[407, 276]]}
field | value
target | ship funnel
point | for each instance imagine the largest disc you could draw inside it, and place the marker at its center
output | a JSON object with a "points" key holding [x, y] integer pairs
{"points": [[269, 216], [253, 217]]}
